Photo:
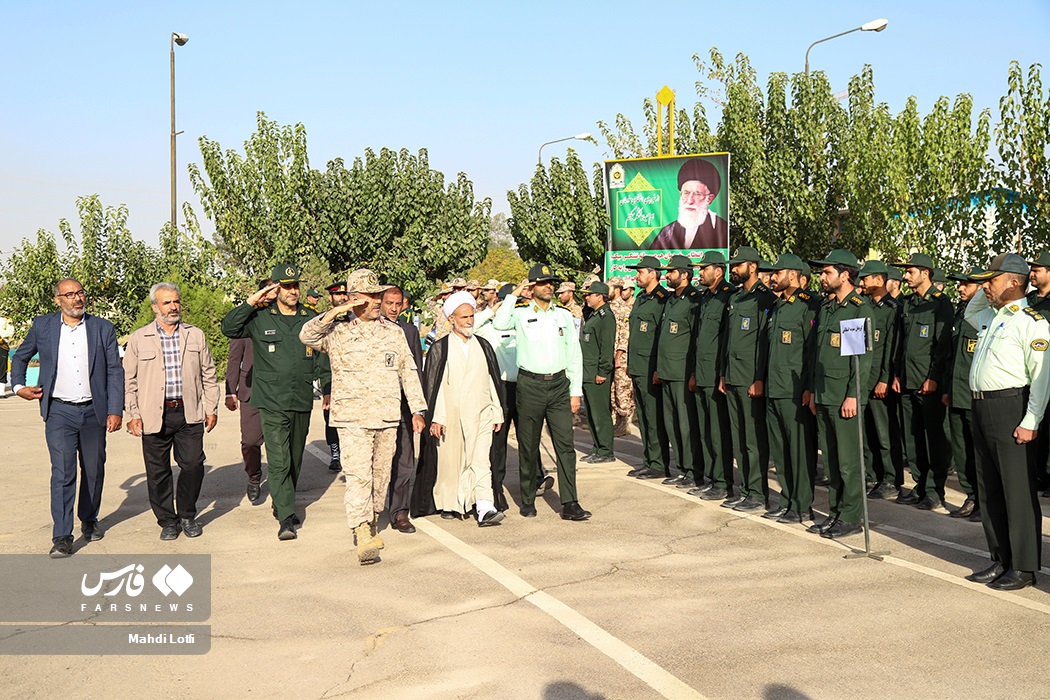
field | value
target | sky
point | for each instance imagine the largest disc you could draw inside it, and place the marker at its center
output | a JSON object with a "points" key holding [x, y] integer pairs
{"points": [[85, 86]]}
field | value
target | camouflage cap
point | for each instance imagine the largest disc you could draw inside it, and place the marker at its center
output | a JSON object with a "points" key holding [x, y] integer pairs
{"points": [[588, 280], [615, 282], [472, 285], [458, 283], [566, 287], [627, 281], [445, 288], [364, 281], [492, 285], [285, 273]]}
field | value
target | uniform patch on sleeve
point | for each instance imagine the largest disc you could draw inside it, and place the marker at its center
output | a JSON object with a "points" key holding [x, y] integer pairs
{"points": [[391, 359], [1040, 344]]}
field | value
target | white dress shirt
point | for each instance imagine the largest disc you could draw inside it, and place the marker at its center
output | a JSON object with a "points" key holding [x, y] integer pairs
{"points": [[72, 379]]}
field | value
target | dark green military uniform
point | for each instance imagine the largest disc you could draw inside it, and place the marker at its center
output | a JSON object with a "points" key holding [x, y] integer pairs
{"points": [[792, 426], [925, 349], [674, 364], [716, 446], [597, 344], [960, 398], [747, 349], [282, 387], [642, 347]]}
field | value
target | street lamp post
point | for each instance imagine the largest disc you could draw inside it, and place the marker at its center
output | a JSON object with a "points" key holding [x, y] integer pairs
{"points": [[181, 40], [578, 137], [876, 25]]}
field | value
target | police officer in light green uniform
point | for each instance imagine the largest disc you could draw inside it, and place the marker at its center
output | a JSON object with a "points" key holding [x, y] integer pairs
{"points": [[1039, 299], [925, 351], [792, 426], [597, 344], [642, 346], [744, 377], [715, 458], [550, 385], [834, 398], [674, 364], [282, 382], [883, 465]]}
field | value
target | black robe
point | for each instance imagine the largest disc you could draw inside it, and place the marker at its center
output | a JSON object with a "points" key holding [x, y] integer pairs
{"points": [[672, 236], [426, 469]]}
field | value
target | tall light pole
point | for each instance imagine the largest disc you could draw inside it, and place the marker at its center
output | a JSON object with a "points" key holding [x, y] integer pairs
{"points": [[181, 40], [876, 25], [578, 137]]}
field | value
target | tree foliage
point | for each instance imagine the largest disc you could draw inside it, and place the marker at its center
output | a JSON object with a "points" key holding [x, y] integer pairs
{"points": [[501, 264]]}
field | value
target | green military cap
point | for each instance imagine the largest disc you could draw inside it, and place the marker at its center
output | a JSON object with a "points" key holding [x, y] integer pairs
{"points": [[1042, 260], [788, 261], [873, 267], [285, 273], [1004, 262], [646, 261], [364, 281], [938, 275], [679, 262], [745, 253], [918, 260], [967, 274], [895, 273], [839, 256], [540, 273], [503, 291], [311, 292], [596, 288], [764, 265], [711, 257]]}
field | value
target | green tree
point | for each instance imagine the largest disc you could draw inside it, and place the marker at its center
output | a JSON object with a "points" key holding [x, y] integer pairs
{"points": [[501, 264]]}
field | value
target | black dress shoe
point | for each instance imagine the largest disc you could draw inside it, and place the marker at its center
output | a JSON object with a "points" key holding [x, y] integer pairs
{"points": [[734, 501], [965, 510], [822, 480], [545, 485], [448, 515], [825, 524], [61, 548], [601, 459], [714, 494], [987, 575], [92, 532], [295, 520], [636, 471], [750, 505], [793, 516], [401, 523], [254, 492], [673, 480], [932, 503], [886, 491], [841, 529], [1013, 580], [648, 473], [287, 530], [685, 483], [908, 498], [587, 457], [528, 511], [191, 527], [573, 511], [169, 532], [493, 517], [776, 513]]}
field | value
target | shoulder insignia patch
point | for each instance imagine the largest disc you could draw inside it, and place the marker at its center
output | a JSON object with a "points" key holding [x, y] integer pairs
{"points": [[1040, 344], [521, 303], [726, 288], [856, 300], [660, 292], [602, 311], [805, 296], [937, 295], [1033, 313], [1015, 308]]}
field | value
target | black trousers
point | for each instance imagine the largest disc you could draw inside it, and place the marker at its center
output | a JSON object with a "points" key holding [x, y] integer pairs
{"points": [[188, 443], [331, 435], [403, 468], [498, 451], [251, 440]]}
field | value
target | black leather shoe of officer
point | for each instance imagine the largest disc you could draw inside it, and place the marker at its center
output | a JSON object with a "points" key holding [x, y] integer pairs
{"points": [[92, 532], [908, 498], [987, 575], [169, 532], [573, 511], [826, 523], [714, 493], [685, 483], [190, 526], [887, 491], [965, 510], [793, 516], [493, 517], [601, 459], [734, 501], [545, 485], [448, 515], [649, 474], [750, 505], [528, 511], [287, 530], [932, 503], [587, 457], [775, 513], [401, 523], [674, 480], [822, 480], [841, 529], [1013, 580], [62, 548], [636, 471], [254, 492]]}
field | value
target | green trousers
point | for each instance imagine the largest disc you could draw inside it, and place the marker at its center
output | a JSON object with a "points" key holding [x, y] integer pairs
{"points": [[598, 399], [879, 459], [680, 424], [793, 448], [747, 419], [285, 435], [959, 420], [656, 451], [714, 439], [540, 401], [925, 442], [840, 444]]}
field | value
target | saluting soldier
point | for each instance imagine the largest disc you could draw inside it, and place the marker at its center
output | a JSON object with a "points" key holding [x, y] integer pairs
{"points": [[958, 398], [712, 412], [884, 466], [744, 377], [1039, 299], [597, 344], [923, 357], [1010, 383], [792, 426], [550, 385], [834, 395], [642, 349], [282, 382], [674, 368]]}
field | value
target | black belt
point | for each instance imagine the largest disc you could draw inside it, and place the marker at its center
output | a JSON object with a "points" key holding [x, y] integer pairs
{"points": [[543, 377], [999, 393], [73, 403], [172, 403]]}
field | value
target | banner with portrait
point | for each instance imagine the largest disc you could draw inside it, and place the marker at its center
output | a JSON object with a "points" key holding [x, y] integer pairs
{"points": [[672, 205]]}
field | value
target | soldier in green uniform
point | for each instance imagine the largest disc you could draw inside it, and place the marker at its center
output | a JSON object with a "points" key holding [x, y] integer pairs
{"points": [[282, 390], [674, 368], [834, 398], [923, 356], [958, 398], [744, 377], [642, 347], [550, 385], [792, 427], [313, 298], [597, 344], [716, 446], [883, 466], [1039, 299]]}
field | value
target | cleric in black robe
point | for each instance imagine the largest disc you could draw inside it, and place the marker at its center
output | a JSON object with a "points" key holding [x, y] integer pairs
{"points": [[697, 226], [426, 470]]}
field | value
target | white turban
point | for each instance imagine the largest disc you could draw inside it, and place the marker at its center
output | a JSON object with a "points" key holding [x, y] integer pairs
{"points": [[457, 300]]}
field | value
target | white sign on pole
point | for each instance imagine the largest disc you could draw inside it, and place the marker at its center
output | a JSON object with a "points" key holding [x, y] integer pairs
{"points": [[854, 336]]}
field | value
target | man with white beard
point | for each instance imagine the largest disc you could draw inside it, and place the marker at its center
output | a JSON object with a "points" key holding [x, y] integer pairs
{"points": [[464, 392], [697, 226]]}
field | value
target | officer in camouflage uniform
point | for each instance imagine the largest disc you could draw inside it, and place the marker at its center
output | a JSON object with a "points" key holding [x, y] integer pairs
{"points": [[597, 345], [371, 364], [622, 389]]}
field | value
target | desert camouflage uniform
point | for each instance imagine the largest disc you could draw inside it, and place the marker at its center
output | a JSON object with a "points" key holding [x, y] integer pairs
{"points": [[371, 362], [623, 390]]}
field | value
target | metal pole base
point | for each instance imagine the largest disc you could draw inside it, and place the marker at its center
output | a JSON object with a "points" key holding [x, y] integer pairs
{"points": [[861, 554]]}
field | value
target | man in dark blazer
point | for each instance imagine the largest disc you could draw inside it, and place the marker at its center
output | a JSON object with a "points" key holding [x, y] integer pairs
{"points": [[81, 394]]}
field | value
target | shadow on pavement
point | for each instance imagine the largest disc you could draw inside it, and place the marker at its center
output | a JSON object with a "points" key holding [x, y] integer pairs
{"points": [[566, 690]]}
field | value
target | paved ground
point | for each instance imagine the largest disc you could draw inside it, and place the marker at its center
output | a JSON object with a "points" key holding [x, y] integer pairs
{"points": [[659, 595]]}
